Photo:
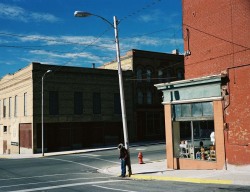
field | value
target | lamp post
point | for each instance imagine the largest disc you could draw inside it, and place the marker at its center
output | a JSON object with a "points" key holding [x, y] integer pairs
{"points": [[48, 71], [123, 110]]}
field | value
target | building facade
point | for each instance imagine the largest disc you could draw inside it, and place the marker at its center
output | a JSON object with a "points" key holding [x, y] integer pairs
{"points": [[81, 109], [148, 69], [207, 114]]}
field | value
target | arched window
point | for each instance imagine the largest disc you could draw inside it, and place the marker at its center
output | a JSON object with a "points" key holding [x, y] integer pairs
{"points": [[149, 75], [139, 75], [139, 97], [160, 76]]}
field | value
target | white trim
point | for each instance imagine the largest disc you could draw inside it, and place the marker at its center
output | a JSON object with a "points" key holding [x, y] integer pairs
{"points": [[194, 100]]}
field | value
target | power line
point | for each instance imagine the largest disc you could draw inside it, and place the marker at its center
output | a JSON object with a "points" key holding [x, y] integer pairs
{"points": [[145, 7], [212, 35]]}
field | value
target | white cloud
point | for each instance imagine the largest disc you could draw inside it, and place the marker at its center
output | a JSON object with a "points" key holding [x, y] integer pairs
{"points": [[142, 41], [44, 17], [85, 55], [154, 15], [20, 14]]}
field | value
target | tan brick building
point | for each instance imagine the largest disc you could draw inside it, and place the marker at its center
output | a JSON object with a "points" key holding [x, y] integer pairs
{"points": [[81, 108]]}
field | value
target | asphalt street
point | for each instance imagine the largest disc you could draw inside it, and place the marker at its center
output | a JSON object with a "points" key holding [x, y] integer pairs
{"points": [[79, 172]]}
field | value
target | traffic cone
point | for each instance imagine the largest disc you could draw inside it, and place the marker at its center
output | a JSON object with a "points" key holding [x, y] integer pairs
{"points": [[140, 158]]}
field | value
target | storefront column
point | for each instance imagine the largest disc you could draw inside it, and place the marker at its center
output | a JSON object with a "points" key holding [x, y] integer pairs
{"points": [[169, 138], [219, 134]]}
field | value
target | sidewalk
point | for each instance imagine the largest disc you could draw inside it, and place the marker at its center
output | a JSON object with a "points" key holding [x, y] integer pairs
{"points": [[236, 175]]}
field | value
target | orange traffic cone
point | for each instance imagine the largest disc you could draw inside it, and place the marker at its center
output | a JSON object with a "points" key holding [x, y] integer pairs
{"points": [[140, 158]]}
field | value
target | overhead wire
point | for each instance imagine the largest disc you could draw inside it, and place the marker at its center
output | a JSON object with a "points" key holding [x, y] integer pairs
{"points": [[68, 42]]}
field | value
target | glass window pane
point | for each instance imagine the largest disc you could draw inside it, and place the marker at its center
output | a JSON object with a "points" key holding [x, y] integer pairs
{"points": [[196, 110], [196, 129], [186, 110], [207, 109], [177, 110]]}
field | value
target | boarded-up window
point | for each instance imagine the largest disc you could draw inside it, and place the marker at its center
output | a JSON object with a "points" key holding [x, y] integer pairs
{"points": [[25, 135]]}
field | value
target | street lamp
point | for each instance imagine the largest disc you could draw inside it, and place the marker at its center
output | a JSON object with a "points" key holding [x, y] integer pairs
{"points": [[124, 118], [48, 71]]}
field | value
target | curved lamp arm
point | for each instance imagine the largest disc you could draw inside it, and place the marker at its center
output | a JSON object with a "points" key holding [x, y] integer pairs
{"points": [[87, 14]]}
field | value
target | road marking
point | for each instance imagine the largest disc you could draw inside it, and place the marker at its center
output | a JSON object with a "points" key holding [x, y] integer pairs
{"points": [[113, 189], [75, 163], [141, 149], [91, 155], [44, 182], [100, 159], [66, 185], [39, 176]]}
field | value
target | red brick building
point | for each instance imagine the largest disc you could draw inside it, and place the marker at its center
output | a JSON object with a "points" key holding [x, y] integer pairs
{"points": [[217, 35], [207, 115]]}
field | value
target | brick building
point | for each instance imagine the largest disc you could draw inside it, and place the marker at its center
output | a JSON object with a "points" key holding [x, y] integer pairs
{"points": [[212, 104], [81, 108], [148, 69]]}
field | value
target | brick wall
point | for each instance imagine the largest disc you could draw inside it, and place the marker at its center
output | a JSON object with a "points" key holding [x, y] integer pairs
{"points": [[217, 33]]}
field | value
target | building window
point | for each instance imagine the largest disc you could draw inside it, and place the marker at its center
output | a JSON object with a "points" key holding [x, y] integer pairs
{"points": [[139, 97], [4, 108], [168, 76], [15, 106], [193, 111], [139, 75], [117, 103], [180, 75], [53, 103], [149, 97], [96, 103], [5, 129], [10, 106], [78, 103], [160, 76], [149, 75], [25, 103]]}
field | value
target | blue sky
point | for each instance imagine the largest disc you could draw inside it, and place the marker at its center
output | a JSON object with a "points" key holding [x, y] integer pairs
{"points": [[46, 31]]}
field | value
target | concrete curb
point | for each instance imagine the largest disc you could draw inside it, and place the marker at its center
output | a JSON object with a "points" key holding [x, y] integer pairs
{"points": [[189, 180]]}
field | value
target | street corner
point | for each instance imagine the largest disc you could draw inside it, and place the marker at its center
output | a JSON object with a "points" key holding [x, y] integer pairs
{"points": [[110, 171], [180, 179]]}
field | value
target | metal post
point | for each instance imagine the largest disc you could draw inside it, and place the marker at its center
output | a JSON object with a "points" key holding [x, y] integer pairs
{"points": [[124, 117], [42, 116], [42, 112]]}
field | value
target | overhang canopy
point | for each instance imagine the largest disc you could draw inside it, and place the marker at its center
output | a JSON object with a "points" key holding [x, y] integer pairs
{"points": [[192, 90]]}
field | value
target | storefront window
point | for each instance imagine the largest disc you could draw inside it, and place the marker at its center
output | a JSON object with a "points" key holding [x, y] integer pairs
{"points": [[194, 141], [193, 131]]}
